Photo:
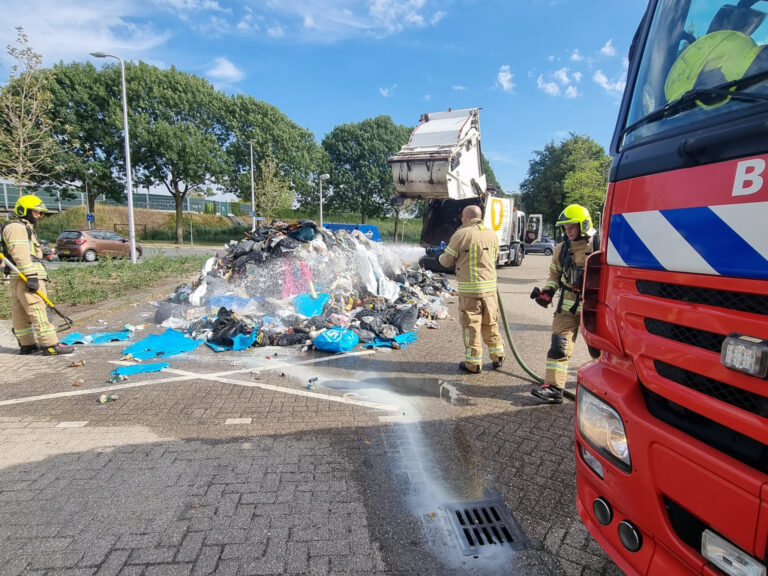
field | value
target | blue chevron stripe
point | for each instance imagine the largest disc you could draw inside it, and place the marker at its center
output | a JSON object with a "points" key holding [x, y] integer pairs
{"points": [[717, 243], [629, 246]]}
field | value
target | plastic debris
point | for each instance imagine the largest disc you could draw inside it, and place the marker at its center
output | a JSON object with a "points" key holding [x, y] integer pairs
{"points": [[76, 363], [115, 378], [105, 398], [78, 383], [125, 371]]}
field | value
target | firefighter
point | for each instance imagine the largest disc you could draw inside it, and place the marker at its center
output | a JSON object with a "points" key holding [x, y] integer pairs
{"points": [[474, 249], [28, 312], [566, 277]]}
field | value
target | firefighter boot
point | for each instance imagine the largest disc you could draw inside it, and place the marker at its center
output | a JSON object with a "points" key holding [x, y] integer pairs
{"points": [[464, 367], [25, 349], [550, 394], [57, 349], [498, 363]]}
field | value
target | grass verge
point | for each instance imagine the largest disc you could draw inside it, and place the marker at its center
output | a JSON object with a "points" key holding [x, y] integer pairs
{"points": [[77, 284]]}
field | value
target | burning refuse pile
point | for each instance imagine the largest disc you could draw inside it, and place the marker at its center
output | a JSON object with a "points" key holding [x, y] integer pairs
{"points": [[299, 284]]}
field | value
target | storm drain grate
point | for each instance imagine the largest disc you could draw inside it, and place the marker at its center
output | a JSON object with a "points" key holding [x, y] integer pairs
{"points": [[483, 524]]}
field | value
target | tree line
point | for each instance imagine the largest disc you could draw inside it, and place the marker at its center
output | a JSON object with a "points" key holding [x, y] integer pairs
{"points": [[63, 126]]}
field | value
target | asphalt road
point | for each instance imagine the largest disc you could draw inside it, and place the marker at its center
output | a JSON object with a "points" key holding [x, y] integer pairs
{"points": [[228, 464]]}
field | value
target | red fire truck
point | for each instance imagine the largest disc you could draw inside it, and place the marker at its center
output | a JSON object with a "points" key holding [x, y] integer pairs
{"points": [[672, 415]]}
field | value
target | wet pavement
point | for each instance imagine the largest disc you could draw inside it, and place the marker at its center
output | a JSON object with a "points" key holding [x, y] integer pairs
{"points": [[391, 462]]}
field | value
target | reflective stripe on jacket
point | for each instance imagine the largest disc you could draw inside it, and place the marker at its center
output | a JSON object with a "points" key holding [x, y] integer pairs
{"points": [[473, 249], [24, 249]]}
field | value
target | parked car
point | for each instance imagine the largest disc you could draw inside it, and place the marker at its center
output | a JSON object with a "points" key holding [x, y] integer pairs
{"points": [[89, 245], [544, 246]]}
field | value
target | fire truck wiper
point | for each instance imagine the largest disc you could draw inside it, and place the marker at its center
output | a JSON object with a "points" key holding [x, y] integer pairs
{"points": [[688, 99]]}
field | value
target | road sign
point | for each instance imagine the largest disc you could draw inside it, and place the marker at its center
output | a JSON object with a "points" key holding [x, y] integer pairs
{"points": [[90, 217]]}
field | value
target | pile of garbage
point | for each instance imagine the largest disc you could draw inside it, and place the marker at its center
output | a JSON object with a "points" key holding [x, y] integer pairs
{"points": [[299, 284]]}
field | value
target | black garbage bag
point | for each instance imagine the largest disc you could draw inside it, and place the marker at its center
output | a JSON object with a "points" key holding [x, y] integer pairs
{"points": [[371, 322], [167, 310], [226, 326], [363, 334], [405, 319], [292, 338]]}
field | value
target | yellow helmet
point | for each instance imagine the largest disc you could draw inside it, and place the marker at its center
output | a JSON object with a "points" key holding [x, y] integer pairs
{"points": [[715, 58], [575, 214], [26, 203]]}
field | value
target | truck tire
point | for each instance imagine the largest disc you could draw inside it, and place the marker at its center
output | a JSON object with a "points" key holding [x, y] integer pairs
{"points": [[517, 258]]}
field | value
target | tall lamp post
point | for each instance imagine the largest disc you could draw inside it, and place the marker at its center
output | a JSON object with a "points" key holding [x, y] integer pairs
{"points": [[253, 195], [322, 177], [131, 231]]}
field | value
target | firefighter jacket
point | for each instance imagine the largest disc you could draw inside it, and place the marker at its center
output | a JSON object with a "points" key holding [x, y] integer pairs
{"points": [[473, 248], [23, 249], [566, 272]]}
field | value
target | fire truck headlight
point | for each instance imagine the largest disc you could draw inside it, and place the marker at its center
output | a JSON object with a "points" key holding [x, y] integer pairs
{"points": [[745, 354], [601, 426]]}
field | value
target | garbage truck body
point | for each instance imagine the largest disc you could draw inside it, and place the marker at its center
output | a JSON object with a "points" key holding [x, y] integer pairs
{"points": [[442, 163], [671, 435]]}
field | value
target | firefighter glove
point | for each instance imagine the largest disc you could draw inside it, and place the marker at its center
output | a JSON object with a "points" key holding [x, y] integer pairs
{"points": [[543, 297], [33, 284]]}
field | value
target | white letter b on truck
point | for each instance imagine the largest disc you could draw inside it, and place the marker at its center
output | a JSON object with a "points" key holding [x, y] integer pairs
{"points": [[748, 179]]}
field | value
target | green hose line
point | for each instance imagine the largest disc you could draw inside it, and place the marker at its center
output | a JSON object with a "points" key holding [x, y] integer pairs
{"points": [[516, 354]]}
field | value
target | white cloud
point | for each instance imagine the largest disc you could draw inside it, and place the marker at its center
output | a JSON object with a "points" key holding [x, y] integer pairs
{"points": [[427, 97], [246, 24], [577, 76], [276, 31], [550, 58], [437, 16], [387, 92], [562, 76], [608, 49], [615, 87], [576, 56], [458, 87], [571, 92], [225, 71], [505, 78], [550, 88]]}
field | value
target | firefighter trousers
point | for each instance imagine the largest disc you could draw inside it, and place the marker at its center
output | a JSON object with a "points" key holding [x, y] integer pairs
{"points": [[480, 323], [29, 316], [565, 329]]}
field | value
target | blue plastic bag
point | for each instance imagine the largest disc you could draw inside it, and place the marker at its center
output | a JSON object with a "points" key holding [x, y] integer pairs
{"points": [[336, 340], [306, 305]]}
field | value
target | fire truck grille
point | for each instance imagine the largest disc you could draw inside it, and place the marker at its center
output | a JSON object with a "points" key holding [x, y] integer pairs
{"points": [[730, 442], [691, 336], [742, 302], [737, 397]]}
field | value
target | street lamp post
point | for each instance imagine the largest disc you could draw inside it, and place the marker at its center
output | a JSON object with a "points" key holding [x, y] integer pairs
{"points": [[322, 177], [253, 195], [131, 231]]}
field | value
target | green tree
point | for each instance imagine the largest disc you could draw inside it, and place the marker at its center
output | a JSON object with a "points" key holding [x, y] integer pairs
{"points": [[586, 185], [177, 130], [543, 190], [490, 177], [273, 135], [273, 191], [360, 176], [88, 124], [26, 139]]}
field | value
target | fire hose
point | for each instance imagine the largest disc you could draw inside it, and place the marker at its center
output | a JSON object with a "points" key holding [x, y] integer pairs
{"points": [[567, 393]]}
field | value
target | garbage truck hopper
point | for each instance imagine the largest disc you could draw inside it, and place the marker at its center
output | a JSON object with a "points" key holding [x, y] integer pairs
{"points": [[442, 160]]}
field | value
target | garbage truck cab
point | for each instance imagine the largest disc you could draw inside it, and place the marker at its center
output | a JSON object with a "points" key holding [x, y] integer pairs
{"points": [[442, 164]]}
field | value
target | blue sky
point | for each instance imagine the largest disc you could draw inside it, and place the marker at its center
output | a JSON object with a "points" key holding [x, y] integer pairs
{"points": [[539, 69]]}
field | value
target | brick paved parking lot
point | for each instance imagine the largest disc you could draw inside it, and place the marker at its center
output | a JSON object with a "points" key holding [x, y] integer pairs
{"points": [[228, 464]]}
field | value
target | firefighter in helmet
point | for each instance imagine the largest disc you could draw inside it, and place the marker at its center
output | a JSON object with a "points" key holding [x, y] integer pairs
{"points": [[28, 311], [563, 289]]}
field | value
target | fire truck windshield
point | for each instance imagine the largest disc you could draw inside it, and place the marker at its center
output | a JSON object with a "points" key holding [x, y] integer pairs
{"points": [[702, 58]]}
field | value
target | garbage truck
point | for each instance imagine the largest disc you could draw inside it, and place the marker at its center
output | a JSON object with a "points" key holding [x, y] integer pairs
{"points": [[442, 164], [671, 435]]}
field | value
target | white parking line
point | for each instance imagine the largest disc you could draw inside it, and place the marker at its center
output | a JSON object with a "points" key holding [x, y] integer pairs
{"points": [[182, 375]]}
